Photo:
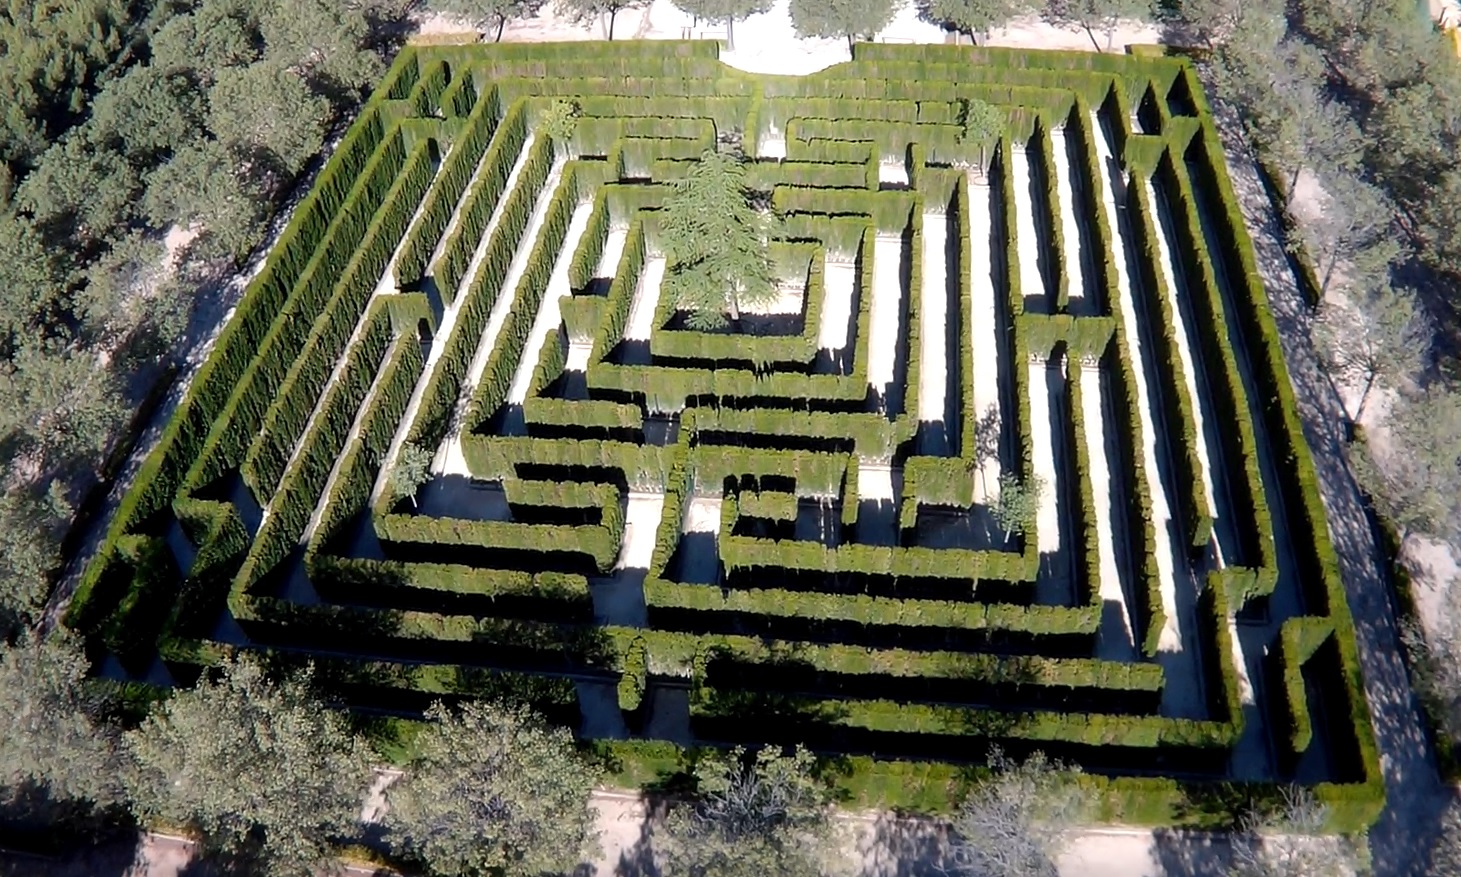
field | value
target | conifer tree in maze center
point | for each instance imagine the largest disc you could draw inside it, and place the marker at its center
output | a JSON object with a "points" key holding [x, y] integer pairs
{"points": [[974, 461]]}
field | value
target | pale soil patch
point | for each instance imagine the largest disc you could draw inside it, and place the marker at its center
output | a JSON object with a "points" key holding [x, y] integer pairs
{"points": [[893, 173], [839, 283], [984, 333], [789, 300], [578, 354], [613, 251], [447, 324], [545, 326], [933, 377], [885, 320], [449, 456], [772, 145], [702, 514]]}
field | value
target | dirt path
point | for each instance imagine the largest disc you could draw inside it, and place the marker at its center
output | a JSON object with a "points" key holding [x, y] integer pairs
{"points": [[1415, 793]]}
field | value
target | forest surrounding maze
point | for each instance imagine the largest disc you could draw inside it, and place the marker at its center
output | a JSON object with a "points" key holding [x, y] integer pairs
{"points": [[787, 530]]}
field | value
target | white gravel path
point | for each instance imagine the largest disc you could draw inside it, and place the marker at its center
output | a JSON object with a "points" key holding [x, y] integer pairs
{"points": [[646, 300], [1075, 256], [893, 173], [613, 251], [1046, 424], [875, 482], [983, 335], [885, 323], [448, 321], [771, 145], [549, 311], [1032, 287], [1186, 338], [839, 287], [1183, 693], [1113, 644], [449, 457], [641, 524], [933, 373], [578, 354]]}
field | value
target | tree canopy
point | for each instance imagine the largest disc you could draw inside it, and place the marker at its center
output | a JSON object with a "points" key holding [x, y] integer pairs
{"points": [[494, 791], [841, 19], [715, 243], [261, 769], [973, 16], [755, 815], [1016, 822]]}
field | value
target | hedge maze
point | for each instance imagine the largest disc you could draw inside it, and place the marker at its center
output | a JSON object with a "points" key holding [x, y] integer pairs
{"points": [[786, 530]]}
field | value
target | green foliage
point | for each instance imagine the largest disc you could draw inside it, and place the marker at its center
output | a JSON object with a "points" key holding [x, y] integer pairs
{"points": [[489, 14], [559, 122], [53, 735], [841, 18], [585, 11], [1016, 822], [412, 469], [715, 244], [493, 790], [30, 547], [755, 814], [300, 787], [973, 16], [1019, 503], [266, 113]]}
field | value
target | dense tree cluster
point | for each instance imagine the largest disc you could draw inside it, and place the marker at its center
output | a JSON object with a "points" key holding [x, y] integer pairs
{"points": [[123, 121]]}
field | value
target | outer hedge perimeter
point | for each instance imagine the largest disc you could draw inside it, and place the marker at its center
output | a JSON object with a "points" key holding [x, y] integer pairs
{"points": [[267, 499]]}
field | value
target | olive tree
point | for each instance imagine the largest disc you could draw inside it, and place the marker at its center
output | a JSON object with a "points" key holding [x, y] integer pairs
{"points": [[1376, 337], [841, 19], [412, 469], [491, 15], [1018, 504], [1096, 16], [494, 790], [754, 815], [728, 11], [1350, 236], [262, 770], [51, 736], [1290, 842], [973, 17], [1016, 822], [587, 11], [715, 243], [1411, 469]]}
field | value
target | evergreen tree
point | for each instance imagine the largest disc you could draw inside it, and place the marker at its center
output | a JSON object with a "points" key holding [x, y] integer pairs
{"points": [[715, 243], [494, 791]]}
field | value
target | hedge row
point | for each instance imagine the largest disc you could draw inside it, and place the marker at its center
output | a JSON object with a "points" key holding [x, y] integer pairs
{"points": [[359, 465], [1088, 574], [157, 480], [440, 398], [1082, 336], [494, 457], [1149, 614], [1043, 161], [1253, 519], [303, 484], [341, 321], [753, 557], [258, 386], [356, 579], [489, 186], [1179, 407], [873, 611], [511, 337], [458, 168], [600, 543]]}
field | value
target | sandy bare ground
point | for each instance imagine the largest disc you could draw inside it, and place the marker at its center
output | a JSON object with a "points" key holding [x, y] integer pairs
{"points": [[884, 320]]}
